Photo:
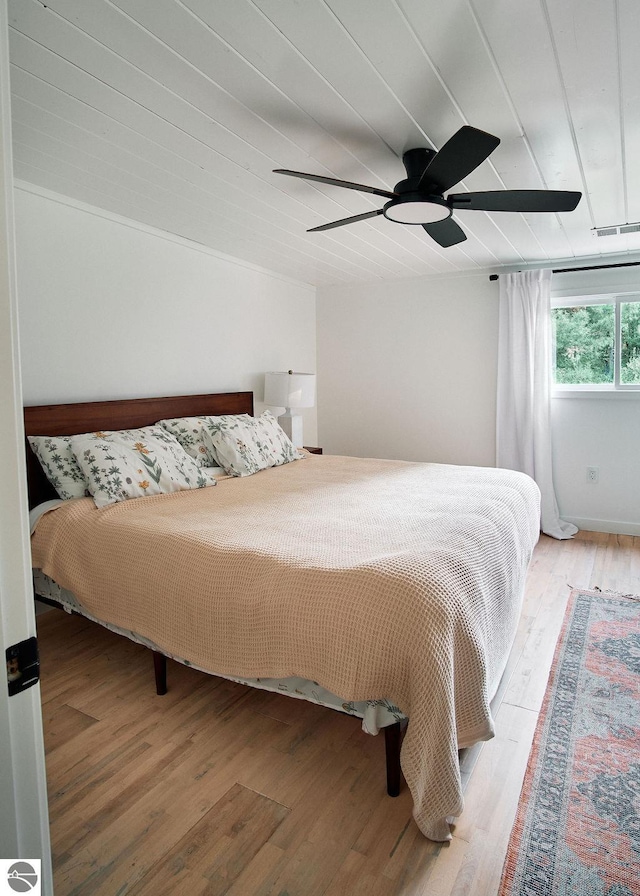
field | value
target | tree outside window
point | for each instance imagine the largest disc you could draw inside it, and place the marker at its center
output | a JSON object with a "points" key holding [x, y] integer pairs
{"points": [[630, 352], [588, 339]]}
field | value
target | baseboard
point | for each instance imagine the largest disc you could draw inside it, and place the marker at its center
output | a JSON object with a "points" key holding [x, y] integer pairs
{"points": [[611, 526]]}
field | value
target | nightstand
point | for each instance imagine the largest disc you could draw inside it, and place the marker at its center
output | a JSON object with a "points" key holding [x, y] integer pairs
{"points": [[312, 450]]}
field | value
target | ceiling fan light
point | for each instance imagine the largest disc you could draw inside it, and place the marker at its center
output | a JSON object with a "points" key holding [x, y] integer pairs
{"points": [[417, 209]]}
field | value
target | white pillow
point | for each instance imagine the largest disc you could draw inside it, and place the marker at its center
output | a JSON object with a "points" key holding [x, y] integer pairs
{"points": [[247, 446], [189, 431], [59, 464], [134, 463]]}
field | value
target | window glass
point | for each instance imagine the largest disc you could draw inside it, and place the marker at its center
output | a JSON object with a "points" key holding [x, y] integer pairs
{"points": [[585, 344], [630, 343]]}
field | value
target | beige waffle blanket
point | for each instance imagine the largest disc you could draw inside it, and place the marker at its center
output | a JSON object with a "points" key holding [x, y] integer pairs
{"points": [[376, 579]]}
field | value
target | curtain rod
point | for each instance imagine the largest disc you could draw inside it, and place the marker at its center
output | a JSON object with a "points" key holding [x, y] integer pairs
{"points": [[594, 267]]}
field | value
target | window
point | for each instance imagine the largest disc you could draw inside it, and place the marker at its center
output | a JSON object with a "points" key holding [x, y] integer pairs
{"points": [[597, 343]]}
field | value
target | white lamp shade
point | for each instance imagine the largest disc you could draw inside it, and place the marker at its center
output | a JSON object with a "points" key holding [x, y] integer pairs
{"points": [[290, 390]]}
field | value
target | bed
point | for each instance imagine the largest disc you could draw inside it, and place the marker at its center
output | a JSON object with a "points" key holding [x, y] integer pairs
{"points": [[384, 585]]}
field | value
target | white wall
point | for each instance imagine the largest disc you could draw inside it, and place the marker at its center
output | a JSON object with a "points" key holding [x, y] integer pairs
{"points": [[408, 369], [603, 433], [110, 309]]}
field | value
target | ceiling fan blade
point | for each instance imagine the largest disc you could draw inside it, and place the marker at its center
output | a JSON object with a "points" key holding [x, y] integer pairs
{"points": [[342, 221], [460, 155], [446, 233], [517, 201], [363, 188]]}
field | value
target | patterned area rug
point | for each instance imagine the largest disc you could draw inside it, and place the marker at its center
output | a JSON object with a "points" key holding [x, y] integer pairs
{"points": [[577, 832]]}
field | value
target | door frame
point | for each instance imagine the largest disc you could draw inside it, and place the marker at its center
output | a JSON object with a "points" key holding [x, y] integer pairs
{"points": [[24, 820]]}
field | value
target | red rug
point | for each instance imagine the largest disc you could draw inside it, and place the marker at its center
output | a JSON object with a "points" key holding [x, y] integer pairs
{"points": [[577, 831]]}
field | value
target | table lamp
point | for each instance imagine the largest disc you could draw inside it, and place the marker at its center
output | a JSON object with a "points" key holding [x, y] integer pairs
{"points": [[290, 390]]}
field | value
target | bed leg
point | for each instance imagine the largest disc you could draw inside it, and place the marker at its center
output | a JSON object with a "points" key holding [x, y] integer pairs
{"points": [[393, 735], [160, 669]]}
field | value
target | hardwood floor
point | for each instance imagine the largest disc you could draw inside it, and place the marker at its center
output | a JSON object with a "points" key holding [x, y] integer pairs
{"points": [[216, 788]]}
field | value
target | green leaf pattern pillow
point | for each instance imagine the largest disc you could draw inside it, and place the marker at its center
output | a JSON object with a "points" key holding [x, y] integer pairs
{"points": [[135, 463], [60, 465], [244, 447], [189, 431]]}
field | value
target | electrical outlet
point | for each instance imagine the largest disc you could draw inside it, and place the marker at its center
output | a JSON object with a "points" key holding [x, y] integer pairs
{"points": [[593, 474]]}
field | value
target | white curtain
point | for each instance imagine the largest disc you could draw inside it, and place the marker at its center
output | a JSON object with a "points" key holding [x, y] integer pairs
{"points": [[523, 429]]}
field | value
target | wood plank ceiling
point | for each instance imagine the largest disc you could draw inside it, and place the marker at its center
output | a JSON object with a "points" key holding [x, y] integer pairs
{"points": [[174, 113]]}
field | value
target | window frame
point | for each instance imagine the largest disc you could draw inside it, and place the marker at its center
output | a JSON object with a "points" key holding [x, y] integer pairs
{"points": [[631, 390]]}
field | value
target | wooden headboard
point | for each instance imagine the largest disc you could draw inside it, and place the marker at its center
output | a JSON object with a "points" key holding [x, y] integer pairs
{"points": [[128, 413]]}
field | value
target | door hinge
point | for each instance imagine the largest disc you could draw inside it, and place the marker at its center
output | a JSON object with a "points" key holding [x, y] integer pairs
{"points": [[23, 665]]}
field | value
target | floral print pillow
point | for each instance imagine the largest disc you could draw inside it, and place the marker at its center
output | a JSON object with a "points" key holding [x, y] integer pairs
{"points": [[246, 446], [59, 464], [134, 463], [189, 431]]}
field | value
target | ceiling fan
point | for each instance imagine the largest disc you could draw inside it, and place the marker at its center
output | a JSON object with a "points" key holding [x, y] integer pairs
{"points": [[419, 199]]}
